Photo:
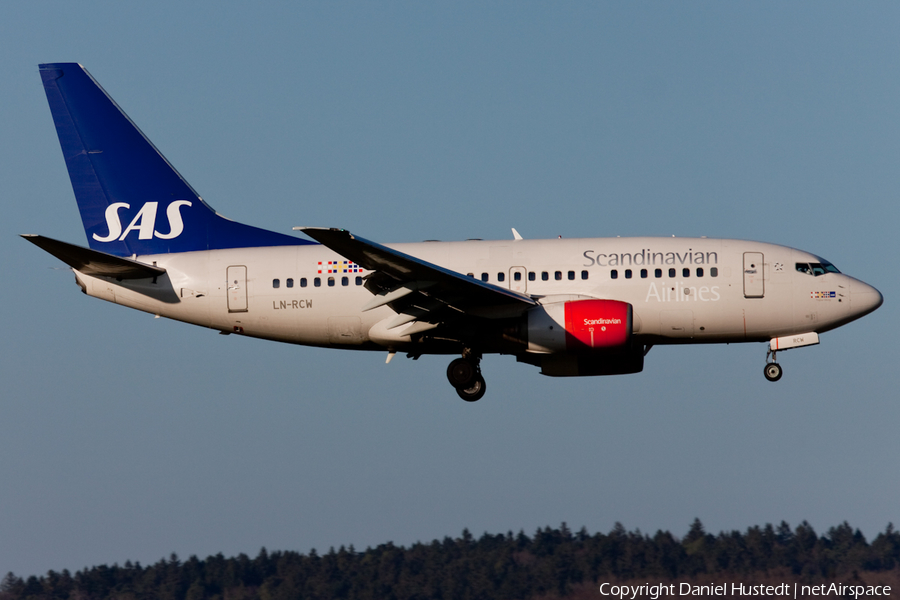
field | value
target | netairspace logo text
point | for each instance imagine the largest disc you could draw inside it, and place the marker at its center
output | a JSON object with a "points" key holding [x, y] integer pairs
{"points": [[784, 590]]}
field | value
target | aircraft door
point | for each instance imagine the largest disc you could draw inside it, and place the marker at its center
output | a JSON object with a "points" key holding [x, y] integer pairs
{"points": [[754, 287], [237, 288], [518, 279]]}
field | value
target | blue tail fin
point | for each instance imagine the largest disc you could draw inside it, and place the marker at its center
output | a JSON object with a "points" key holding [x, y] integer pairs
{"points": [[132, 201]]}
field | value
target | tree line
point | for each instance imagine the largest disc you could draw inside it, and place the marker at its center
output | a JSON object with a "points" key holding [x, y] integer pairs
{"points": [[552, 563]]}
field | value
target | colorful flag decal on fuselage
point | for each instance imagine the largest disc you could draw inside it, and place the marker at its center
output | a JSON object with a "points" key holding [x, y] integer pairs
{"points": [[338, 266]]}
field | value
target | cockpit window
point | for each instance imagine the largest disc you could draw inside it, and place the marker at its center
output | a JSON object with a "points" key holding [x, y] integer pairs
{"points": [[816, 269]]}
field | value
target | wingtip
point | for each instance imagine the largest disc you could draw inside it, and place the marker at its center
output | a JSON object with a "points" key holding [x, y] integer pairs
{"points": [[307, 228]]}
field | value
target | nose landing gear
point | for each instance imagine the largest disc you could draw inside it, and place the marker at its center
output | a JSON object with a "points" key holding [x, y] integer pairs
{"points": [[773, 370], [464, 374]]}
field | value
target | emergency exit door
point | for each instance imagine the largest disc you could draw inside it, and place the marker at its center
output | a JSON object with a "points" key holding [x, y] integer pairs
{"points": [[237, 288], [754, 286], [518, 281]]}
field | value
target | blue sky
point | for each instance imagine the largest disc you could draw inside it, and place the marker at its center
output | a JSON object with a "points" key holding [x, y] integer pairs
{"points": [[123, 437]]}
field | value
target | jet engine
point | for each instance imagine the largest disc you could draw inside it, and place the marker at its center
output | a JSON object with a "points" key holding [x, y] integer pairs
{"points": [[582, 338], [579, 325]]}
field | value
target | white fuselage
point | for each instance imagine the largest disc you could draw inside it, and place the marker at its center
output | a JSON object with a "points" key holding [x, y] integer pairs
{"points": [[683, 290]]}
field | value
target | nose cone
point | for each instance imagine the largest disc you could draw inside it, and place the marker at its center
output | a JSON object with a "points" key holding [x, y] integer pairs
{"points": [[864, 298]]}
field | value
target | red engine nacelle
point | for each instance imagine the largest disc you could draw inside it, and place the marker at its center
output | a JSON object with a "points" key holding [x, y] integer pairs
{"points": [[579, 325]]}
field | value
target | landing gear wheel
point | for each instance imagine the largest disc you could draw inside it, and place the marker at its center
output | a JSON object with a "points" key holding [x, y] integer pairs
{"points": [[475, 391], [773, 372], [462, 373]]}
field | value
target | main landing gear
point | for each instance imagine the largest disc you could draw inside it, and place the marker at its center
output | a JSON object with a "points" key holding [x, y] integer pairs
{"points": [[773, 370], [464, 374]]}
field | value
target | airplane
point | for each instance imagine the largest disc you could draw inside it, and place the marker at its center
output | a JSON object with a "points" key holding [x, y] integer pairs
{"points": [[572, 307]]}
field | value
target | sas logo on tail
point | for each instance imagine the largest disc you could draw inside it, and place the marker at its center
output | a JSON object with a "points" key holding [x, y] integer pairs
{"points": [[144, 222]]}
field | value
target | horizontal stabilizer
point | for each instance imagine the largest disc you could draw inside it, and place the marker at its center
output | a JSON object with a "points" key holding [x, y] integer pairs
{"points": [[94, 262]]}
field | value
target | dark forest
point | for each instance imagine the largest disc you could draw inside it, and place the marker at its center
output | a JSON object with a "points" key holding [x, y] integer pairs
{"points": [[551, 563]]}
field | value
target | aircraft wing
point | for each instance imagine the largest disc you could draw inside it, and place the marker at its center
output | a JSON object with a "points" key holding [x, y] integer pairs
{"points": [[417, 289], [94, 262]]}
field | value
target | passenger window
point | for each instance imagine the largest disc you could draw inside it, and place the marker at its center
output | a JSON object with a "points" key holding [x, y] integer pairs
{"points": [[472, 275], [317, 282], [613, 274], [345, 281], [290, 282], [531, 276], [671, 272], [517, 276], [699, 271], [713, 271], [643, 273], [484, 276], [276, 283], [545, 276], [584, 274], [501, 276], [303, 282], [685, 272], [571, 275], [359, 280], [657, 273], [627, 273], [557, 275], [331, 282]]}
